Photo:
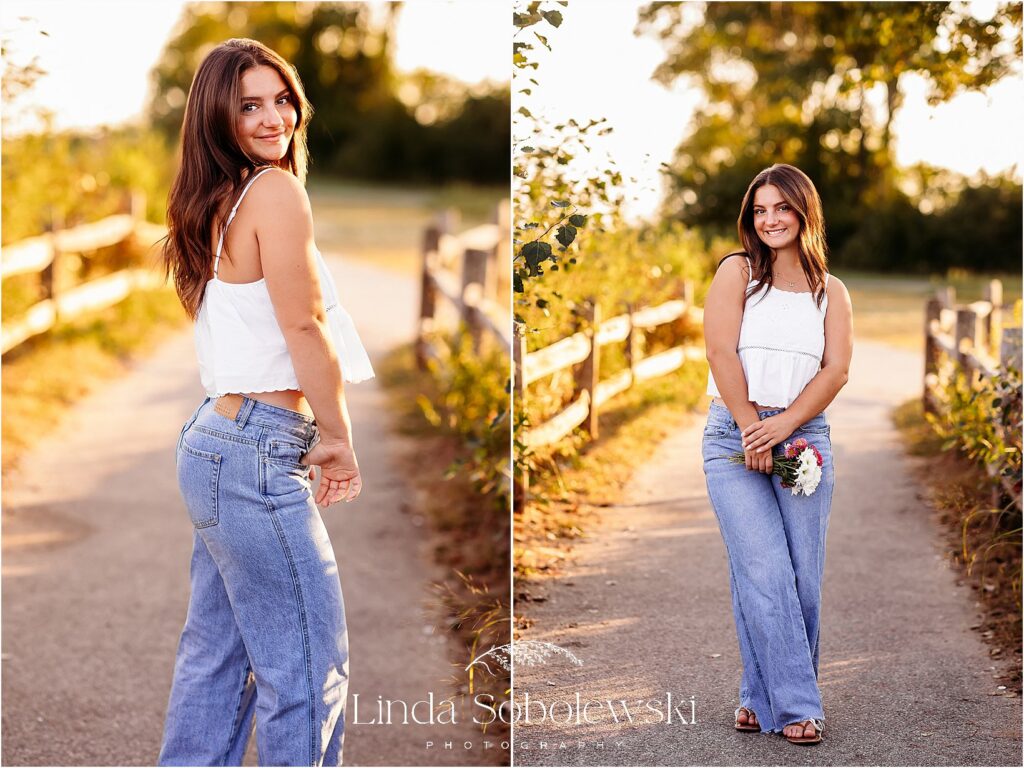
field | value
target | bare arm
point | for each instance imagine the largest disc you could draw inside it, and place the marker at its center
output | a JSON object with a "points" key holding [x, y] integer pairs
{"points": [[823, 388], [284, 231], [723, 315]]}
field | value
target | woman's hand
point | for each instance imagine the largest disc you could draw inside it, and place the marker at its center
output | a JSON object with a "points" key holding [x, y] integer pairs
{"points": [[761, 436], [340, 470], [759, 462]]}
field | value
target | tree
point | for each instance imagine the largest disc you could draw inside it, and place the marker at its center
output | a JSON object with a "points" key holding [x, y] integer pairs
{"points": [[792, 82], [342, 57]]}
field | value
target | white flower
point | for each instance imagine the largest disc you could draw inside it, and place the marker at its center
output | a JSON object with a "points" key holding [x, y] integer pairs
{"points": [[808, 473]]}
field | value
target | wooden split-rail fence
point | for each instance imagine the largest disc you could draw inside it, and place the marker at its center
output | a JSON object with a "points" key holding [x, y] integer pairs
{"points": [[583, 349], [469, 273], [43, 254], [973, 338]]}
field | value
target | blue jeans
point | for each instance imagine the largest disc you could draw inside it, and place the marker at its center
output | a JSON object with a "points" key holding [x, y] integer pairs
{"points": [[776, 547], [265, 632]]}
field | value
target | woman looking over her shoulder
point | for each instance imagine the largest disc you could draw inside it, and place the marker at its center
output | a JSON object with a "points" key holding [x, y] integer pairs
{"points": [[265, 635], [779, 336]]}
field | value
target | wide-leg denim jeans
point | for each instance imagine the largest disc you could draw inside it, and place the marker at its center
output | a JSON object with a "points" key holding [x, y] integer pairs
{"points": [[265, 632], [776, 547]]}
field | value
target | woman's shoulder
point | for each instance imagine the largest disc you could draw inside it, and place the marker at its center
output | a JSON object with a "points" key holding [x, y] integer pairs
{"points": [[735, 266], [277, 192], [834, 286]]}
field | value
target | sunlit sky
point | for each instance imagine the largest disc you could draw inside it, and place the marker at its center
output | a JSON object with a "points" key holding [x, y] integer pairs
{"points": [[598, 68], [98, 74]]}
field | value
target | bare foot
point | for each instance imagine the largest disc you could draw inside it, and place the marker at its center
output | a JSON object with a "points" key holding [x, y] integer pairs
{"points": [[802, 730], [747, 717]]}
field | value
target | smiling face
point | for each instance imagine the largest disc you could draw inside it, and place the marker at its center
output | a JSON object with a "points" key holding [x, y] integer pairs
{"points": [[776, 222], [266, 115]]}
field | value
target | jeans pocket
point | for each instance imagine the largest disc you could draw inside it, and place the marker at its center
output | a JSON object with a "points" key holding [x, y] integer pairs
{"points": [[283, 474], [199, 480], [286, 452], [815, 429]]}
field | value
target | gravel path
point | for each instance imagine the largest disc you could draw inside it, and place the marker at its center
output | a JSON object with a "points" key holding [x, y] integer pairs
{"points": [[96, 549], [644, 604]]}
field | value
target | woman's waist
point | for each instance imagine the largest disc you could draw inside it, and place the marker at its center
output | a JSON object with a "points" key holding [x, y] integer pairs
{"points": [[288, 399], [719, 413], [247, 415]]}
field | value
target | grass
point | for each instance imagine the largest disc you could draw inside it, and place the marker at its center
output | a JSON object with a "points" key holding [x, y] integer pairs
{"points": [[988, 559], [890, 308], [384, 225], [581, 477], [471, 540], [48, 373]]}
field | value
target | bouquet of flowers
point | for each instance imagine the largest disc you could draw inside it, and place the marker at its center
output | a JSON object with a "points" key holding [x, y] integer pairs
{"points": [[799, 466]]}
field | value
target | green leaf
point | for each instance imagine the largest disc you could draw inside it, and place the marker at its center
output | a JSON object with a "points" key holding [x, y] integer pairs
{"points": [[527, 149], [543, 40], [560, 203], [517, 284], [554, 18], [566, 234], [578, 220], [524, 112]]}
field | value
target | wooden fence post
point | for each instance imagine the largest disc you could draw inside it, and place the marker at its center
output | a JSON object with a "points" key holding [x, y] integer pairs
{"points": [[947, 295], [931, 352], [521, 481], [474, 282], [428, 294], [688, 293], [994, 321], [591, 369], [632, 344], [49, 276], [1010, 348], [137, 205], [967, 339]]}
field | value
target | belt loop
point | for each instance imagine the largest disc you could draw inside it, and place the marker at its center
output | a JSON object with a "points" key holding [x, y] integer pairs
{"points": [[243, 413]]}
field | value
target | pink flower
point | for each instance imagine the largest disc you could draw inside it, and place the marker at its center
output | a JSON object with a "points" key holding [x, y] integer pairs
{"points": [[816, 455]]}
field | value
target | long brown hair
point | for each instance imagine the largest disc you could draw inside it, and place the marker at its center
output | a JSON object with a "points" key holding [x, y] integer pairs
{"points": [[798, 191], [213, 164]]}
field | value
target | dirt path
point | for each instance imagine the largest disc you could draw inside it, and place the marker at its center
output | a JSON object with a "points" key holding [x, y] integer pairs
{"points": [[96, 546], [644, 604]]}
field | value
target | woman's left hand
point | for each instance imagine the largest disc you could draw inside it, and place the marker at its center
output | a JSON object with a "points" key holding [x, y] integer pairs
{"points": [[765, 434]]}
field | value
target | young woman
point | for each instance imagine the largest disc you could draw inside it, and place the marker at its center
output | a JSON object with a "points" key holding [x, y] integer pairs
{"points": [[779, 340], [265, 632]]}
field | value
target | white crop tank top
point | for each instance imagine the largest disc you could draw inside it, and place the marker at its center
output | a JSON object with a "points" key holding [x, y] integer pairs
{"points": [[781, 343], [240, 345]]}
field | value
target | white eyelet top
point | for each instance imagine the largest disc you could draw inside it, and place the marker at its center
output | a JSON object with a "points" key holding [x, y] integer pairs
{"points": [[781, 343], [240, 345]]}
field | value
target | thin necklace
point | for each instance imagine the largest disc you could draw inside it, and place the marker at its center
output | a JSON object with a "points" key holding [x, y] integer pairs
{"points": [[786, 280]]}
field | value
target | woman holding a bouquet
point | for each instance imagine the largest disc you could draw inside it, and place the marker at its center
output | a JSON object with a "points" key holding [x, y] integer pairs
{"points": [[779, 338]]}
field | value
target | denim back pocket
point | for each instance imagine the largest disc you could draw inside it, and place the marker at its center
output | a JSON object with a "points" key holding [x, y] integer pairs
{"points": [[199, 479]]}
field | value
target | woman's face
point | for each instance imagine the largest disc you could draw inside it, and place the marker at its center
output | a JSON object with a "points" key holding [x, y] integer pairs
{"points": [[777, 224], [266, 117]]}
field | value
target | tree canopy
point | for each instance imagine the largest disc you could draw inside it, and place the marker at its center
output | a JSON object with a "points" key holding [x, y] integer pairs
{"points": [[816, 85], [343, 54]]}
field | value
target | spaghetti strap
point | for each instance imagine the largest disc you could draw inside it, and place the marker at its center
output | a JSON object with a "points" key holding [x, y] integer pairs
{"points": [[826, 281], [234, 210]]}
